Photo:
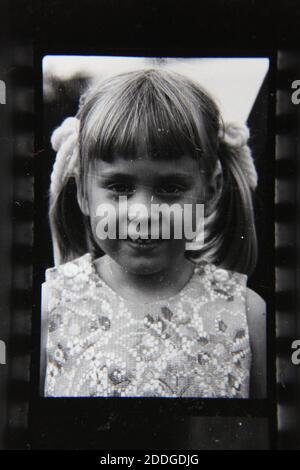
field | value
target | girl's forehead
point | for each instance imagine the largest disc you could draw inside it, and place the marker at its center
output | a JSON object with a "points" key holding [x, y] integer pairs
{"points": [[145, 165]]}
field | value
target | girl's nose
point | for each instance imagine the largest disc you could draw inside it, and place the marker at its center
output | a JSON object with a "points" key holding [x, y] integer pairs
{"points": [[139, 205], [143, 197], [139, 211]]}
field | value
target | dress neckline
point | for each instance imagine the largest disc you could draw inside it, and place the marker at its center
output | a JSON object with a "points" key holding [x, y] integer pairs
{"points": [[100, 281]]}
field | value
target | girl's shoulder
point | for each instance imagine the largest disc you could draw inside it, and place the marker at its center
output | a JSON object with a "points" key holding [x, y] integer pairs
{"points": [[219, 273], [71, 269], [232, 286], [256, 317], [72, 276], [66, 283], [222, 283], [232, 283], [256, 306]]}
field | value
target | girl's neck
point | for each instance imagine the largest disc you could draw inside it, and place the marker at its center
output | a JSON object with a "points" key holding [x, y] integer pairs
{"points": [[144, 288]]}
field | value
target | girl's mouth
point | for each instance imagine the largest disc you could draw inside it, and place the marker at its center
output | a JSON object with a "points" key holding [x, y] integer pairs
{"points": [[143, 244]]}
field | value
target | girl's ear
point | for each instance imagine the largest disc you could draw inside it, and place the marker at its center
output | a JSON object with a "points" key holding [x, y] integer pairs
{"points": [[82, 201], [214, 189]]}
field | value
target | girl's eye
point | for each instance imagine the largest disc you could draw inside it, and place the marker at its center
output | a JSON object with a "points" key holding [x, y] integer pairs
{"points": [[170, 190], [121, 188]]}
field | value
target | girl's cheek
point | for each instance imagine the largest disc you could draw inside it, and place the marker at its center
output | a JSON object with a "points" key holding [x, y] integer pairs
{"points": [[122, 218], [188, 222]]}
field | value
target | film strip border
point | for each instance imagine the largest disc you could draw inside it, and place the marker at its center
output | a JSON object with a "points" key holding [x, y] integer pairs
{"points": [[287, 251], [19, 175], [5, 213]]}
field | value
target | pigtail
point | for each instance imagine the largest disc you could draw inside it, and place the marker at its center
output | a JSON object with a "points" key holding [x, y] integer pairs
{"points": [[70, 228], [232, 240], [68, 224]]}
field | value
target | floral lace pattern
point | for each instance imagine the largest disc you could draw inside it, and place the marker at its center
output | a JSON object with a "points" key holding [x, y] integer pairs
{"points": [[195, 344]]}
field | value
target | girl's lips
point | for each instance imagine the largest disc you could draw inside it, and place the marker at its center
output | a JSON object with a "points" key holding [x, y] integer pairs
{"points": [[143, 244]]}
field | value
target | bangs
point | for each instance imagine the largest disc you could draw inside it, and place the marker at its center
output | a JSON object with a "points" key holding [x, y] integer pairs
{"points": [[160, 112]]}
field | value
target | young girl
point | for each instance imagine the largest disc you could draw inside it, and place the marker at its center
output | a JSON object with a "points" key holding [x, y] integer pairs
{"points": [[146, 317]]}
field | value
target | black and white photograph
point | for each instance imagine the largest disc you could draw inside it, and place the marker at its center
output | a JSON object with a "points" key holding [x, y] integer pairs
{"points": [[149, 240], [156, 242]]}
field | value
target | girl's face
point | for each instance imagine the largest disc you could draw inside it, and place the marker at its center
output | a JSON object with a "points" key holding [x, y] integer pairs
{"points": [[144, 181]]}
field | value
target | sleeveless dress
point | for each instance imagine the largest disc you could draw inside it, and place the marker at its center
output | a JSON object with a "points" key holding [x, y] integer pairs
{"points": [[194, 344]]}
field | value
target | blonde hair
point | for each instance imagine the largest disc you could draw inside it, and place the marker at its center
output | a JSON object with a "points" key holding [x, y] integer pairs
{"points": [[175, 116]]}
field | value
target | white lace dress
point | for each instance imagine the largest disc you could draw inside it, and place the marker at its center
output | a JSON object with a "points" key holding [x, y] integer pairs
{"points": [[194, 344]]}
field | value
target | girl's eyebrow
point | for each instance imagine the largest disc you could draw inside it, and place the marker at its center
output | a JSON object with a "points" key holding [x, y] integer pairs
{"points": [[111, 174], [176, 176]]}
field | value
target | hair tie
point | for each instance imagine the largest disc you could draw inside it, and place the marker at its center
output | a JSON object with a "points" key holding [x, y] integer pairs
{"points": [[236, 136], [64, 141]]}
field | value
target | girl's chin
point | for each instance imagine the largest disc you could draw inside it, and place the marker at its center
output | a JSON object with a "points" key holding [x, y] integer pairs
{"points": [[143, 265], [151, 258]]}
